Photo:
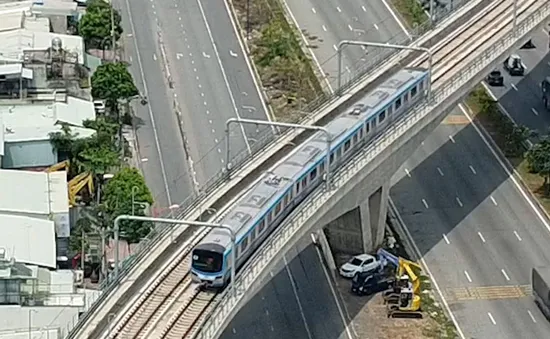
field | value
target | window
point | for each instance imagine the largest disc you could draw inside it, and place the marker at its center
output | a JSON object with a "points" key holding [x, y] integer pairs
{"points": [[304, 182], [287, 199], [397, 104], [368, 261], [278, 208], [413, 91], [382, 116], [421, 85], [390, 110], [347, 145], [262, 226], [355, 138], [331, 158], [297, 187], [368, 127], [322, 166], [244, 244], [313, 174], [406, 97], [361, 133], [253, 235], [373, 122], [269, 218]]}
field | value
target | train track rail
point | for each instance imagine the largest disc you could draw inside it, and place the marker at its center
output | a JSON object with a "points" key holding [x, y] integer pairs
{"points": [[174, 307]]}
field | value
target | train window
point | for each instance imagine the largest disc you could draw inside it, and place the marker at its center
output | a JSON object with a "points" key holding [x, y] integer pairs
{"points": [[297, 187], [382, 116], [331, 158], [421, 85], [406, 97], [368, 126], [361, 133], [397, 103], [313, 174], [269, 218], [373, 122], [262, 226], [322, 166], [413, 91], [355, 138], [253, 234], [244, 244], [304, 182], [347, 145], [278, 208], [390, 109], [287, 199], [339, 152]]}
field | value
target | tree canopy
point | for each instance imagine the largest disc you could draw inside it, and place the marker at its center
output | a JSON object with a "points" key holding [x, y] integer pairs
{"points": [[95, 25], [538, 158], [118, 194], [111, 82]]}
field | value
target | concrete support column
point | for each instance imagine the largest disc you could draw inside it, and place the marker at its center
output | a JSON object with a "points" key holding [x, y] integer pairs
{"points": [[373, 213]]}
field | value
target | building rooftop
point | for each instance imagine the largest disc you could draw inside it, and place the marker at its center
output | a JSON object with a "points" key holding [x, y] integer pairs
{"points": [[28, 240], [33, 193], [25, 122]]}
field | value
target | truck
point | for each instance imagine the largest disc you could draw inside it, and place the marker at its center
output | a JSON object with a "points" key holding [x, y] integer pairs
{"points": [[545, 87], [540, 281]]}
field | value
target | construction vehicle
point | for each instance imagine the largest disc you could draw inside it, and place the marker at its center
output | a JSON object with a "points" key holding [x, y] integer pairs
{"points": [[540, 281], [63, 165], [545, 85], [514, 65], [76, 184]]}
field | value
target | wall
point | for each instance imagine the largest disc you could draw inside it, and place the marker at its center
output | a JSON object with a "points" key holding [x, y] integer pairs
{"points": [[28, 154], [344, 234], [17, 317]]}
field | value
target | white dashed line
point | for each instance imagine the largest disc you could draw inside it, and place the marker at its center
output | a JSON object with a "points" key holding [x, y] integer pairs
{"points": [[481, 236], [493, 200], [440, 172], [534, 111], [154, 56], [313, 10], [219, 150], [202, 94], [363, 8], [425, 203], [514, 87], [517, 235], [472, 169], [207, 112], [338, 9], [213, 131], [205, 103], [324, 28], [452, 139], [210, 121], [216, 140], [505, 275], [467, 276], [194, 69], [179, 18], [350, 28], [335, 48], [459, 202], [408, 173], [376, 26], [200, 86], [144, 159], [491, 317], [532, 317], [446, 239]]}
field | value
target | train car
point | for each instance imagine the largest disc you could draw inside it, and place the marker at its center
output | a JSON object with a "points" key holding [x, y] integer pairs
{"points": [[272, 197]]}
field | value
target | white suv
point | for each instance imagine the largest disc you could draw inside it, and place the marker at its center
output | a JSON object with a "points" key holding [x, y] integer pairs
{"points": [[359, 263]]}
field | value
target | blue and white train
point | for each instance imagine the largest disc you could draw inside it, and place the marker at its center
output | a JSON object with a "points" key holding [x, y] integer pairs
{"points": [[271, 198]]}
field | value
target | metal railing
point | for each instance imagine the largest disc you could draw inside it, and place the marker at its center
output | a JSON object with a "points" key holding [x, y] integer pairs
{"points": [[253, 269], [241, 160]]}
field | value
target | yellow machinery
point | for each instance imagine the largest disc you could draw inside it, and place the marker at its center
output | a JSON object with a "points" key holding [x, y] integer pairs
{"points": [[76, 184], [63, 165]]}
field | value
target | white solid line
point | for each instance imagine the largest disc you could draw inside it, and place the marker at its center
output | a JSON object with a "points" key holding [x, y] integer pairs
{"points": [[313, 10], [297, 298], [440, 172], [446, 239], [467, 276], [408, 173], [493, 200], [333, 292], [338, 9], [514, 86], [427, 270], [452, 139], [514, 180], [472, 169], [532, 317], [425, 203], [517, 235], [492, 319], [505, 275], [459, 202], [534, 111], [481, 236], [396, 19], [223, 73]]}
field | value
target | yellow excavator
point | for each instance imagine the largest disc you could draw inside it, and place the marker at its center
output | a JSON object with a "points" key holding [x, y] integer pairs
{"points": [[403, 299], [76, 184]]}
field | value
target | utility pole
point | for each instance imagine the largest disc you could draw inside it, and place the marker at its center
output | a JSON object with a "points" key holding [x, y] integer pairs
{"points": [[113, 42], [247, 20], [82, 250]]}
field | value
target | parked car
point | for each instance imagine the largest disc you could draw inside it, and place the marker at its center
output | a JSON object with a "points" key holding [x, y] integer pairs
{"points": [[359, 263], [514, 65], [495, 78], [366, 283]]}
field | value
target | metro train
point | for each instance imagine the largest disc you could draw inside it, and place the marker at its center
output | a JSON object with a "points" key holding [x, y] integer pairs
{"points": [[270, 199]]}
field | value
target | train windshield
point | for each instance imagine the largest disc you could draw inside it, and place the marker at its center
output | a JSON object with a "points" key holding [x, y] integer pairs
{"points": [[207, 261]]}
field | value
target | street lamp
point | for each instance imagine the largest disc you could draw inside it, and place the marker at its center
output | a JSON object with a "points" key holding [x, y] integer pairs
{"points": [[134, 188], [31, 311], [279, 124], [178, 222], [377, 44]]}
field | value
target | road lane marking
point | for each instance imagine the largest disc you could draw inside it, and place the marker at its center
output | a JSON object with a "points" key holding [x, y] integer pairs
{"points": [[492, 319], [446, 239], [505, 275], [408, 173], [233, 54], [467, 276], [154, 56], [144, 159], [219, 150], [363, 8], [376, 26], [207, 56], [462, 294], [205, 103], [294, 289], [440, 172], [216, 140], [532, 317], [313, 10], [213, 131], [210, 121], [179, 18], [202, 94], [399, 23], [425, 203], [200, 86], [222, 160], [517, 235], [338, 9], [514, 86], [493, 200], [534, 111], [481, 236], [335, 48], [207, 112], [459, 202], [472, 169], [350, 28], [452, 139], [324, 28]]}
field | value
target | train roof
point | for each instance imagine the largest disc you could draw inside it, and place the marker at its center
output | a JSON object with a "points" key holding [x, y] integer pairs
{"points": [[265, 192]]}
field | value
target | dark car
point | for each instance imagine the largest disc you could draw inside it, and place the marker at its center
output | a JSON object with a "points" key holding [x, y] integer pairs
{"points": [[367, 283], [495, 78], [514, 65]]}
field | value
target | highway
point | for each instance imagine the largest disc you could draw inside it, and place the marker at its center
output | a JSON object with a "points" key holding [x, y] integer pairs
{"points": [[211, 82], [329, 22], [474, 229], [297, 302]]}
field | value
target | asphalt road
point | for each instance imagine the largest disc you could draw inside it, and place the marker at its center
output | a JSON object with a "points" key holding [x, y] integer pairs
{"points": [[296, 302], [325, 23], [521, 96], [474, 228]]}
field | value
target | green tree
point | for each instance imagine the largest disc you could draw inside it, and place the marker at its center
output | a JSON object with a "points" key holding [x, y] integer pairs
{"points": [[538, 159], [117, 198], [515, 139], [95, 25], [112, 82]]}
